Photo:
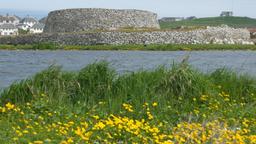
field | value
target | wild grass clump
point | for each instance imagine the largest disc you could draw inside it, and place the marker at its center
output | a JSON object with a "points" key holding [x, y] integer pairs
{"points": [[95, 104], [98, 82], [182, 80], [45, 46]]}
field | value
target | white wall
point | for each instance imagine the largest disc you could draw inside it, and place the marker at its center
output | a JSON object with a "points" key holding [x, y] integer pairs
{"points": [[11, 22], [9, 31], [29, 23], [26, 27], [36, 30]]}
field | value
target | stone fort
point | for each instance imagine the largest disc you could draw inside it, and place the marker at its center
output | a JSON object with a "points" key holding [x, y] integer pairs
{"points": [[91, 19], [91, 26]]}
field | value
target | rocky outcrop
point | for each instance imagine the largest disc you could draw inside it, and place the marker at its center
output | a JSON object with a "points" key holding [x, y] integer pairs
{"points": [[92, 19], [211, 35]]}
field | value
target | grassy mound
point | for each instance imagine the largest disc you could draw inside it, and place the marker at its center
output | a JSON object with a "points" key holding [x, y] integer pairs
{"points": [[159, 106], [243, 22]]}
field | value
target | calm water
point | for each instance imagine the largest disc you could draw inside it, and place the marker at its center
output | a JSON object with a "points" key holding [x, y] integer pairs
{"points": [[17, 65]]}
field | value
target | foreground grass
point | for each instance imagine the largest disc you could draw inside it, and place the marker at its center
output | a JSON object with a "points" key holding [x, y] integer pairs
{"points": [[151, 47], [237, 22], [95, 105]]}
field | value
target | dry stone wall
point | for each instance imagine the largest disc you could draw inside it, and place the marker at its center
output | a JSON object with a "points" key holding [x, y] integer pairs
{"points": [[214, 35], [91, 19]]}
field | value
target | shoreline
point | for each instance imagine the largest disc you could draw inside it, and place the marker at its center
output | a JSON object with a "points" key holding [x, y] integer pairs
{"points": [[131, 47]]}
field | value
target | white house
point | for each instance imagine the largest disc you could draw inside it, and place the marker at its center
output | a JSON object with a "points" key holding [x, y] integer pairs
{"points": [[8, 29], [9, 19], [23, 26], [171, 19], [226, 13], [29, 21], [37, 28]]}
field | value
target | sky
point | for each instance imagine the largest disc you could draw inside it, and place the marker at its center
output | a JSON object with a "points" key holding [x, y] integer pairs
{"points": [[164, 8]]}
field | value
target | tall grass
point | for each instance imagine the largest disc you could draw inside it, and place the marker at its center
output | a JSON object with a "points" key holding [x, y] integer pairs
{"points": [[177, 90], [47, 104]]}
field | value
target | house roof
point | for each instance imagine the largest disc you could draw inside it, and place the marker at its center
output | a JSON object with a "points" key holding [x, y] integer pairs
{"points": [[38, 26], [7, 26], [227, 12], [8, 18], [21, 25], [29, 19], [17, 17]]}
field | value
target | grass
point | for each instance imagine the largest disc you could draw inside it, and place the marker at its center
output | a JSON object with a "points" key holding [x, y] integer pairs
{"points": [[165, 105], [237, 22], [150, 47]]}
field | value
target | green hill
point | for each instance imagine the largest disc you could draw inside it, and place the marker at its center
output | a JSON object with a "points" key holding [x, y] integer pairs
{"points": [[212, 21]]}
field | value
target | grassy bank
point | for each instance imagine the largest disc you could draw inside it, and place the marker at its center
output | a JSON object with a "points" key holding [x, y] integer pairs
{"points": [[238, 22], [151, 47], [177, 105]]}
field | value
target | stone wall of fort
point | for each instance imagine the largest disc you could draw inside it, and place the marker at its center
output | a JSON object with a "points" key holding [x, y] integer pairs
{"points": [[91, 19], [211, 35]]}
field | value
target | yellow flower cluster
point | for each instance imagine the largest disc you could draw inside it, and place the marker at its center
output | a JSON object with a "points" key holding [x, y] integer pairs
{"points": [[9, 107], [210, 132], [128, 107], [146, 105], [225, 96], [110, 129], [49, 126]]}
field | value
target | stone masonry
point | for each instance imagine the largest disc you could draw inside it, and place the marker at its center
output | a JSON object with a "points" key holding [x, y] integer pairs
{"points": [[211, 35], [93, 19]]}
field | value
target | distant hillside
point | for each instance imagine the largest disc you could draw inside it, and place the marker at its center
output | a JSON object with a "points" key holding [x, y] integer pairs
{"points": [[212, 21]]}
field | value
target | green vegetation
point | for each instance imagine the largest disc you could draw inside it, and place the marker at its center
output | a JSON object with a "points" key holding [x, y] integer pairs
{"points": [[23, 32], [38, 46], [164, 105], [150, 47], [212, 21]]}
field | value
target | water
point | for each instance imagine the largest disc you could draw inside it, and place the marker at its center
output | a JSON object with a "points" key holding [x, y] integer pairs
{"points": [[18, 65]]}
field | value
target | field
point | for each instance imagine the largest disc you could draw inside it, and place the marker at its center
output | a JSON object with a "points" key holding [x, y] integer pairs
{"points": [[150, 47], [96, 105], [241, 22]]}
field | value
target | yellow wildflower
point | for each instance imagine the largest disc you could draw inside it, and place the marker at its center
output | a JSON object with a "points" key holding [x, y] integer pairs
{"points": [[96, 117], [38, 142], [9, 106]]}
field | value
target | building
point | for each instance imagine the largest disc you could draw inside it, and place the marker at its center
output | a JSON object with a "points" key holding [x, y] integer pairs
{"points": [[13, 25], [9, 19], [37, 28], [30, 21], [191, 18], [8, 29], [226, 13], [171, 19], [23, 26]]}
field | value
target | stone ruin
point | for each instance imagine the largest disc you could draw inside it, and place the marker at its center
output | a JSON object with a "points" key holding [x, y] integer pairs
{"points": [[96, 19], [92, 26]]}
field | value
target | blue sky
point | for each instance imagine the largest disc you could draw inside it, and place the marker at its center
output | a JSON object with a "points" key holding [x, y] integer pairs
{"points": [[199, 8]]}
